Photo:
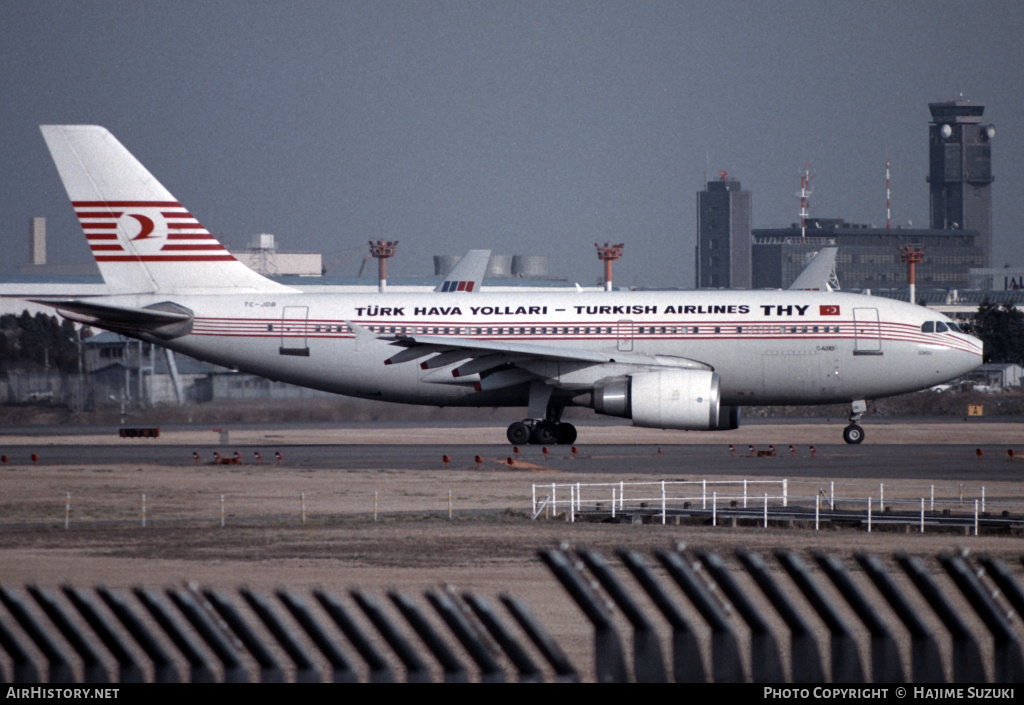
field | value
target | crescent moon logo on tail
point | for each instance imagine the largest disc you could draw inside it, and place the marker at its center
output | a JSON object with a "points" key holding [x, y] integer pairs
{"points": [[147, 226]]}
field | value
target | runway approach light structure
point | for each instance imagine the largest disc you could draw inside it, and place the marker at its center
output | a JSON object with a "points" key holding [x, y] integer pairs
{"points": [[608, 254], [381, 251]]}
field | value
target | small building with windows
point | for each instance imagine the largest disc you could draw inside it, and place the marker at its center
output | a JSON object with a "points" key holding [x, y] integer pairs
{"points": [[998, 375]]}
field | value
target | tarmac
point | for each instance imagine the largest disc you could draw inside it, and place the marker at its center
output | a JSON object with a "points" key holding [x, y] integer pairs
{"points": [[945, 451]]}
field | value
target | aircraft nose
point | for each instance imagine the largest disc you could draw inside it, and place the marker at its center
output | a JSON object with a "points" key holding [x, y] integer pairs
{"points": [[969, 356]]}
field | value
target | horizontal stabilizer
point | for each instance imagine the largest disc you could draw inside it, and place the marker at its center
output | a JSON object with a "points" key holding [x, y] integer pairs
{"points": [[164, 320]]}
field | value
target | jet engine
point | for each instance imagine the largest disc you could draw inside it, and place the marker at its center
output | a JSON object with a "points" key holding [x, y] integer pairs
{"points": [[679, 399]]}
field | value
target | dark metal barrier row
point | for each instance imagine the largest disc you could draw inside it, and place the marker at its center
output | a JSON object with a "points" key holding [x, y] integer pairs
{"points": [[745, 609]]}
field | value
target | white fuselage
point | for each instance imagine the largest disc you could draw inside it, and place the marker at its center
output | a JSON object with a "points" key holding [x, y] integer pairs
{"points": [[768, 347]]}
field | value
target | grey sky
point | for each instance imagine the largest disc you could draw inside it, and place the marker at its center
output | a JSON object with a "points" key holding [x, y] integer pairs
{"points": [[524, 127]]}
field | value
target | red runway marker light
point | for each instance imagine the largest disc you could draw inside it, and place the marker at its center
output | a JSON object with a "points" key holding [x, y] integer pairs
{"points": [[574, 451], [445, 459], [195, 457], [544, 450], [1009, 453], [4, 459], [35, 458], [515, 449], [478, 460], [978, 453], [510, 462]]}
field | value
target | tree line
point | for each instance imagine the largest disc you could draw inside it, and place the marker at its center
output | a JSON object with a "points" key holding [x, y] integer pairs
{"points": [[1001, 329], [37, 343]]}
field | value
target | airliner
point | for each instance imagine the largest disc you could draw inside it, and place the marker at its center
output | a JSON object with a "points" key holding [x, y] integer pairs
{"points": [[686, 360]]}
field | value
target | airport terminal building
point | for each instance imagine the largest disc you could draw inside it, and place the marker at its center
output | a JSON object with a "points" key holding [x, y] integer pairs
{"points": [[868, 258]]}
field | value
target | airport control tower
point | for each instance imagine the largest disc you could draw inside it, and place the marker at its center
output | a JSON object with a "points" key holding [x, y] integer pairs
{"points": [[960, 171]]}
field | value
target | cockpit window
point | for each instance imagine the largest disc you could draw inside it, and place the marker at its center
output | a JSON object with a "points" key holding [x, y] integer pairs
{"points": [[940, 327]]}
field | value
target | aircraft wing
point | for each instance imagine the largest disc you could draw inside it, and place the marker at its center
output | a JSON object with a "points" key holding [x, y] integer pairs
{"points": [[164, 320], [493, 364], [467, 274], [820, 274]]}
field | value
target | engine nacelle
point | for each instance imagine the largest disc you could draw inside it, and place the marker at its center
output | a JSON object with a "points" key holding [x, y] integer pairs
{"points": [[679, 399]]}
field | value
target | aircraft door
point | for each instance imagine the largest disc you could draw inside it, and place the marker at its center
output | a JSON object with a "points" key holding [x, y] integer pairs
{"points": [[867, 332], [624, 336], [293, 331]]}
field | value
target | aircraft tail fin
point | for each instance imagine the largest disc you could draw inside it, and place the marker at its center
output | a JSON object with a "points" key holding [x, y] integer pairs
{"points": [[820, 273], [467, 274], [142, 238]]}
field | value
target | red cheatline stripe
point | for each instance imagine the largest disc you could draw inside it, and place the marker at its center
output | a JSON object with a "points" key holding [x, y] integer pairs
{"points": [[101, 214], [184, 226], [126, 204], [99, 226], [190, 236], [100, 236], [167, 258], [104, 248], [181, 214], [180, 248]]}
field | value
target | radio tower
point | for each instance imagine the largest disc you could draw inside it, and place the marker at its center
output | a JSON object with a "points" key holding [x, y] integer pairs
{"points": [[805, 197], [888, 212], [381, 251]]}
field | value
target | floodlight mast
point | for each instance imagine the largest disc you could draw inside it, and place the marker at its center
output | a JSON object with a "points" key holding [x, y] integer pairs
{"points": [[381, 251], [608, 254]]}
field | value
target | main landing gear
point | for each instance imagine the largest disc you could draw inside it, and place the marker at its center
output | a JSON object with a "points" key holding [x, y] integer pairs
{"points": [[544, 432], [544, 425], [854, 434]]}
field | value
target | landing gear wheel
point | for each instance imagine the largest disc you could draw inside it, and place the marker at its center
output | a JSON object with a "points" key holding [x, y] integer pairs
{"points": [[518, 434], [566, 434], [545, 433], [853, 434]]}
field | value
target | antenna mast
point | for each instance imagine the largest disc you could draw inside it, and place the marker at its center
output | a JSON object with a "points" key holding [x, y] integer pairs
{"points": [[805, 196], [888, 212]]}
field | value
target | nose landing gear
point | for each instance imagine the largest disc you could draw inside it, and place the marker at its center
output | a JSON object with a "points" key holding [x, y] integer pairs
{"points": [[854, 434]]}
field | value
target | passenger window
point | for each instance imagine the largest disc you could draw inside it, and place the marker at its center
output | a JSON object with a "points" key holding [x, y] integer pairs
{"points": [[928, 327]]}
